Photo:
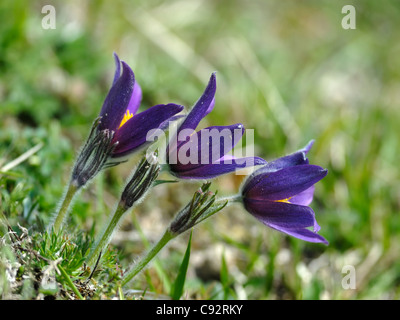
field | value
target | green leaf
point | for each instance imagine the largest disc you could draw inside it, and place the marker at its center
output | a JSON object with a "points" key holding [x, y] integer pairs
{"points": [[177, 288]]}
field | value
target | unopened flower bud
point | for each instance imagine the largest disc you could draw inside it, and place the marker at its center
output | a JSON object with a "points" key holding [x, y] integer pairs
{"points": [[201, 206], [93, 155], [140, 182]]}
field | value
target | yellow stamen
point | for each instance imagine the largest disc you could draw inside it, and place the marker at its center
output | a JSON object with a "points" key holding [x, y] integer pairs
{"points": [[127, 116], [284, 200]]}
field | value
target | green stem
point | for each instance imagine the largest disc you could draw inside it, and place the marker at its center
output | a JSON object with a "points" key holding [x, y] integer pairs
{"points": [[157, 265], [105, 237], [70, 283], [148, 257], [62, 213], [230, 199]]}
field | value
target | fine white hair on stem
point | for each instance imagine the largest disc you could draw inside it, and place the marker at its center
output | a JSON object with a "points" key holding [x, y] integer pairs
{"points": [[59, 206]]}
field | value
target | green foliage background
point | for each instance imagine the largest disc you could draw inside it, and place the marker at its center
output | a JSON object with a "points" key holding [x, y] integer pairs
{"points": [[286, 69]]}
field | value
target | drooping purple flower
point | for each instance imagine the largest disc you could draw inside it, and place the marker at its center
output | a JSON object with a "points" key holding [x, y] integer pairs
{"points": [[118, 113], [279, 193], [203, 154]]}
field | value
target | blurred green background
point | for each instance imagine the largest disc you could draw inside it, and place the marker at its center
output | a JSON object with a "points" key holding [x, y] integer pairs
{"points": [[286, 69]]}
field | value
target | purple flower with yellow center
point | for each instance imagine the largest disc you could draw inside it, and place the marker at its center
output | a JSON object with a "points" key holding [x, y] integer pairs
{"points": [[119, 113], [204, 154], [119, 130], [279, 193]]}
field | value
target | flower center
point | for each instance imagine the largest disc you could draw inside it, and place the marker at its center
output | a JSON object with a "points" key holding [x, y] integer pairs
{"points": [[127, 116], [284, 200]]}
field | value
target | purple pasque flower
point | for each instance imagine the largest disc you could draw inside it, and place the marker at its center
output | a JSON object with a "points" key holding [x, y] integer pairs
{"points": [[119, 113], [279, 193], [119, 130], [203, 154]]}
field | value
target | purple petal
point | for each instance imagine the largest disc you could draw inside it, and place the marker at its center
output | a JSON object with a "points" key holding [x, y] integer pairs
{"points": [[117, 73], [284, 183], [202, 106], [281, 214], [211, 107], [207, 145], [307, 148], [302, 234], [209, 171], [294, 159], [297, 158], [135, 100], [303, 198], [165, 125], [117, 100], [217, 141], [132, 135]]}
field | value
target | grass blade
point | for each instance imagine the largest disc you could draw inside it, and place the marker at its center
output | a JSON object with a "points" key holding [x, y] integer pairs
{"points": [[177, 289]]}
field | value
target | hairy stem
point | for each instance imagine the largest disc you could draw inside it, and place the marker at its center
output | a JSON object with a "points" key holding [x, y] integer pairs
{"points": [[105, 237], [230, 199], [181, 225], [62, 213], [148, 257]]}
